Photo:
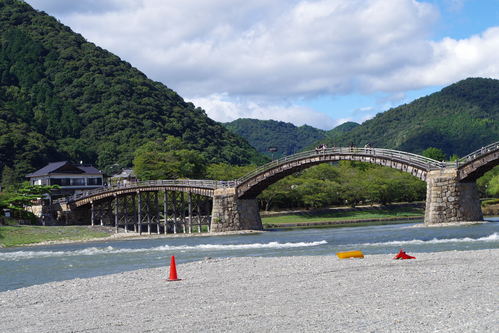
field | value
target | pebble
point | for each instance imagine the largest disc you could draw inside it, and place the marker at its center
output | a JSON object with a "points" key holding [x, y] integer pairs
{"points": [[444, 291]]}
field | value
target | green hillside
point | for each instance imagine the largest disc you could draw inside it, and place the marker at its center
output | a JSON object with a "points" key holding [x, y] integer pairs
{"points": [[62, 97], [286, 137], [339, 131], [458, 119]]}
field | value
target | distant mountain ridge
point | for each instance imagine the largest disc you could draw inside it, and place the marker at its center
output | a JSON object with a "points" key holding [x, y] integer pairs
{"points": [[458, 119], [286, 137], [341, 130], [63, 98]]}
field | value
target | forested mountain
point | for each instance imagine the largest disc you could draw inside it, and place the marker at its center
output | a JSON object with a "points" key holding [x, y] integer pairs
{"points": [[458, 119], [62, 97], [340, 130], [286, 137]]}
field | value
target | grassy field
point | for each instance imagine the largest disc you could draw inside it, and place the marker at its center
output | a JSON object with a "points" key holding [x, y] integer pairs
{"points": [[22, 235], [399, 212]]}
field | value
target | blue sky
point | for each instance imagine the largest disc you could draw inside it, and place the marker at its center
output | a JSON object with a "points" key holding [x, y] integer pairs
{"points": [[315, 62], [463, 18]]}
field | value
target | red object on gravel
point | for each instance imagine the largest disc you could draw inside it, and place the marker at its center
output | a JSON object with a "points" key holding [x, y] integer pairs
{"points": [[403, 255]]}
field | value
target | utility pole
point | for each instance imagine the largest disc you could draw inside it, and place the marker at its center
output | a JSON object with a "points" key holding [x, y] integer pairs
{"points": [[272, 150]]}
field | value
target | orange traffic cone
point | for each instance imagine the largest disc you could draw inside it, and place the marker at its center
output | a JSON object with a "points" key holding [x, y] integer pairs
{"points": [[173, 270]]}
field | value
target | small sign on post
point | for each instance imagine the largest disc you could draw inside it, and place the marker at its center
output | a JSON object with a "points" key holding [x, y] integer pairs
{"points": [[272, 150]]}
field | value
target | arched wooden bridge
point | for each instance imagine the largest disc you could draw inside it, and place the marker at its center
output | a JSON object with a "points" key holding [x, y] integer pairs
{"points": [[451, 194]]}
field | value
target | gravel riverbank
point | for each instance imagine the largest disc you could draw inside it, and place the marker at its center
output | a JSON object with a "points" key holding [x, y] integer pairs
{"points": [[443, 291]]}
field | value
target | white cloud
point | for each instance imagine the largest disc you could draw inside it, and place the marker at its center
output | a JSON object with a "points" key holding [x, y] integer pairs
{"points": [[451, 60], [359, 115], [219, 107], [365, 109], [270, 51], [277, 48], [64, 7], [343, 120]]}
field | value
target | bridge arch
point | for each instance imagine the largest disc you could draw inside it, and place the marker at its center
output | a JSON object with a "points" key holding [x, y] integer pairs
{"points": [[254, 183], [474, 165], [110, 193], [451, 191], [160, 206], [86, 198]]}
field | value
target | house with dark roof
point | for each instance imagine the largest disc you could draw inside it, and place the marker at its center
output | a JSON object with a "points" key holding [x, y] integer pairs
{"points": [[70, 177], [124, 177]]}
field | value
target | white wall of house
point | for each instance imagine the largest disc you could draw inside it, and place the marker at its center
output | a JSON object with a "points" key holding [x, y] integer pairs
{"points": [[70, 181]]}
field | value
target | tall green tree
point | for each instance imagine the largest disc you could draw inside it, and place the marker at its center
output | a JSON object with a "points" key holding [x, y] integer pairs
{"points": [[317, 193], [282, 194], [434, 153], [347, 182], [18, 200], [9, 179], [493, 187], [224, 171], [168, 160]]}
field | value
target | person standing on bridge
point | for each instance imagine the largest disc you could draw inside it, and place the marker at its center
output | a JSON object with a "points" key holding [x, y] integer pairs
{"points": [[322, 147]]}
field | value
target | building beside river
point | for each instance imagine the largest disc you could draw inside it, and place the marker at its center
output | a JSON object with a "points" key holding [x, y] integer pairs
{"points": [[126, 176], [70, 177]]}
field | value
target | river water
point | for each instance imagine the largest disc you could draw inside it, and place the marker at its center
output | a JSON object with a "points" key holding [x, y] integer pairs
{"points": [[22, 267]]}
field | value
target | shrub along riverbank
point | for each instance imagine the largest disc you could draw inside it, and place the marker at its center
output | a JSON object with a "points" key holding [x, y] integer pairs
{"points": [[19, 235], [342, 217]]}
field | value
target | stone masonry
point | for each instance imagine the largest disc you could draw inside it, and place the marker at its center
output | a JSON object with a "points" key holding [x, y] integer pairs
{"points": [[230, 213], [448, 200]]}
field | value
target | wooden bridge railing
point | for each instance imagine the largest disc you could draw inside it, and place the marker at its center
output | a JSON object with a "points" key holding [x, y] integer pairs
{"points": [[476, 154], [413, 159], [404, 157], [208, 184]]}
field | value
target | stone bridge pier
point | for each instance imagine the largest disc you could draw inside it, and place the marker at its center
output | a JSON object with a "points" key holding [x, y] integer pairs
{"points": [[449, 200], [230, 213]]}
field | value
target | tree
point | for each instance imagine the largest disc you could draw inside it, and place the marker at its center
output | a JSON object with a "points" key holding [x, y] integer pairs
{"points": [[58, 89], [282, 194], [316, 193], [8, 178], [224, 171], [484, 183], [493, 187], [168, 160], [22, 197], [434, 153], [322, 172]]}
